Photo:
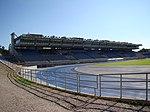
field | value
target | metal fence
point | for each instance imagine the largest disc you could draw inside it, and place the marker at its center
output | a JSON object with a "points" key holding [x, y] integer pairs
{"points": [[129, 85], [125, 85]]}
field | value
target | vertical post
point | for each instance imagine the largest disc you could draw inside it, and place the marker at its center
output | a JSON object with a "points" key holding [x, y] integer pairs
{"points": [[79, 83], [40, 77], [31, 74], [77, 79], [146, 86], [25, 73], [36, 76], [65, 81], [121, 86], [96, 85], [20, 72], [97, 81], [94, 91], [55, 81], [47, 78], [100, 85]]}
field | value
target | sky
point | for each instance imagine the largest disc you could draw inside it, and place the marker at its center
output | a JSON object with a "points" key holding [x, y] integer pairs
{"points": [[114, 20]]}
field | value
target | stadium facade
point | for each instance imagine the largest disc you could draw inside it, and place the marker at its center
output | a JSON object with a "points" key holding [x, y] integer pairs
{"points": [[30, 48]]}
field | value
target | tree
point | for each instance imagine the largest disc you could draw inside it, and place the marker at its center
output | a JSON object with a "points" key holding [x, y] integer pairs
{"points": [[3, 47]]}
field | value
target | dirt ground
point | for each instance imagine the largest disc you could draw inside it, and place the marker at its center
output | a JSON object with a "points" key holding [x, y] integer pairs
{"points": [[16, 97]]}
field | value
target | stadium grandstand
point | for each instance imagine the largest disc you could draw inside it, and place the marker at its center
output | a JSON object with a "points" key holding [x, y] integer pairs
{"points": [[145, 52], [38, 49]]}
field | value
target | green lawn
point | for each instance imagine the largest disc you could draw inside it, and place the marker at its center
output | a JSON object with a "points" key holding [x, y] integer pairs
{"points": [[127, 63]]}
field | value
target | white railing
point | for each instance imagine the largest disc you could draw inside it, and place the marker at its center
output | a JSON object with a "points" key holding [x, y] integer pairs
{"points": [[129, 85]]}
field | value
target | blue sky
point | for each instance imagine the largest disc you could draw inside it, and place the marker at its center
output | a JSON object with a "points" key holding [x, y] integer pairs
{"points": [[115, 20]]}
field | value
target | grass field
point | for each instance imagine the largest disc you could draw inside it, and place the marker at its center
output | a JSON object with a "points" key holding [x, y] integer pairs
{"points": [[127, 63]]}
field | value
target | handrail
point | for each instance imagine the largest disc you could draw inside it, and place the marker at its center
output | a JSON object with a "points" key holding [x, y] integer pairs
{"points": [[135, 73]]}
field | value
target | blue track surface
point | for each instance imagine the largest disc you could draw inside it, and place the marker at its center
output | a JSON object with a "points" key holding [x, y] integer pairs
{"points": [[57, 77]]}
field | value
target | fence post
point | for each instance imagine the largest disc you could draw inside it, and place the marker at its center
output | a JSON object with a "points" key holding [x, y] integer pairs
{"points": [[146, 86], [24, 70], [31, 74], [36, 76], [94, 91], [65, 81], [100, 85], [77, 77], [79, 83], [25, 75], [55, 80], [40, 77], [96, 86], [20, 71], [47, 77], [121, 86]]}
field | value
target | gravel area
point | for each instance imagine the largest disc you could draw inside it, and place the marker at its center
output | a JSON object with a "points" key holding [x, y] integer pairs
{"points": [[16, 97]]}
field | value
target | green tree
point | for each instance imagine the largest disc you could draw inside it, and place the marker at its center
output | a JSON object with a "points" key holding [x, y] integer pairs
{"points": [[3, 47]]}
